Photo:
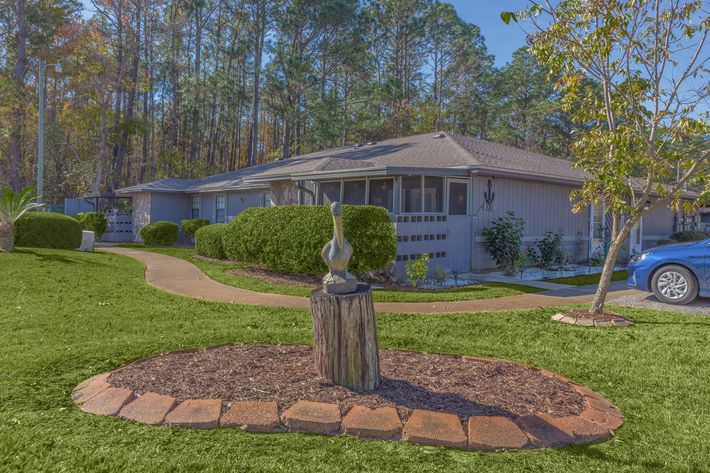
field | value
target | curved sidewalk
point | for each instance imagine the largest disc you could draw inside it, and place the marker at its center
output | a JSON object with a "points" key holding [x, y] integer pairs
{"points": [[181, 277]]}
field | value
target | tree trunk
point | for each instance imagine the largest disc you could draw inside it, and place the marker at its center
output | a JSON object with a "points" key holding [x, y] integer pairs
{"points": [[345, 338], [18, 109], [7, 236], [617, 241]]}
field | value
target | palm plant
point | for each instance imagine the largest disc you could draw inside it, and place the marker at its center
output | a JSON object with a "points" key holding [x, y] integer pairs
{"points": [[14, 205]]}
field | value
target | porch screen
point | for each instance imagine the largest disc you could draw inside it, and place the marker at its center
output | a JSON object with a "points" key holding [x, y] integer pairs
{"points": [[433, 194], [329, 192], [354, 192], [382, 193], [458, 196], [411, 194]]}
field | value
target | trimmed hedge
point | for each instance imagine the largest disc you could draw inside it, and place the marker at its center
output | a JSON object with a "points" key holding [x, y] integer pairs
{"points": [[689, 235], [160, 234], [48, 230], [191, 225], [208, 241], [94, 221], [290, 238]]}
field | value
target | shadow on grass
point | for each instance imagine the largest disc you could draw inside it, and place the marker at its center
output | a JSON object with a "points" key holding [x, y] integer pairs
{"points": [[61, 258]]}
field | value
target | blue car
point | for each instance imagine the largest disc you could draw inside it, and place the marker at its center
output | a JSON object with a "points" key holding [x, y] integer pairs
{"points": [[676, 274]]}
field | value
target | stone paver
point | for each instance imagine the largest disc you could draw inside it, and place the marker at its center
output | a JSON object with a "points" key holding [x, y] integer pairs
{"points": [[181, 277], [580, 429], [434, 428], [313, 417], [253, 416], [604, 418], [90, 388], [543, 430], [196, 413], [495, 433], [108, 402], [568, 319], [380, 423], [150, 408]]}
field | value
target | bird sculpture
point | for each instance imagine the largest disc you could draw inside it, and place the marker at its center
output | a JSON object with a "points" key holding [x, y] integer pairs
{"points": [[336, 254]]}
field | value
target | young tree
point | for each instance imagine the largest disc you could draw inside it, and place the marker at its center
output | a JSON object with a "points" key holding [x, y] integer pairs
{"points": [[647, 144]]}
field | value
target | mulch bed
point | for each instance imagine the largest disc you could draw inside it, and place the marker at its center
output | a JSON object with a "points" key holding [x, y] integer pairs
{"points": [[411, 380]]}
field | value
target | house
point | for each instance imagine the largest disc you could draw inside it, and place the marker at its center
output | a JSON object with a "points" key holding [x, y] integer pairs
{"points": [[441, 190]]}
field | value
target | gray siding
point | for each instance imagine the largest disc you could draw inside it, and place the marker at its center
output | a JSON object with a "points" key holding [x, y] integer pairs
{"points": [[543, 206], [657, 225], [237, 202], [169, 207]]}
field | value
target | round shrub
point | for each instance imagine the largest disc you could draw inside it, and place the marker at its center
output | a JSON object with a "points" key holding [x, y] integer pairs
{"points": [[208, 241], [689, 235], [290, 238], [48, 230], [94, 221], [160, 234], [190, 226]]}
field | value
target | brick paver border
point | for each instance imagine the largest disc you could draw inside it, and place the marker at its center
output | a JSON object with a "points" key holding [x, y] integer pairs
{"points": [[597, 422]]}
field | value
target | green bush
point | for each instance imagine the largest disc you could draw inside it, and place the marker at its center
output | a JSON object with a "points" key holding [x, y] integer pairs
{"points": [[547, 252], [417, 270], [94, 221], [160, 234], [190, 226], [690, 235], [290, 238], [48, 230], [665, 241], [504, 239], [208, 240]]}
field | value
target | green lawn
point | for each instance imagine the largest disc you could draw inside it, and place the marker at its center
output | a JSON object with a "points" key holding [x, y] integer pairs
{"points": [[586, 279], [67, 315], [218, 272]]}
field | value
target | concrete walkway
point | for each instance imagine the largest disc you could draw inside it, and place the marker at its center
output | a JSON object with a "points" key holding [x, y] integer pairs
{"points": [[181, 277]]}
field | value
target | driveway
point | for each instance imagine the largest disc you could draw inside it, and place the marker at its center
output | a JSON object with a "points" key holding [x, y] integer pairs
{"points": [[700, 306]]}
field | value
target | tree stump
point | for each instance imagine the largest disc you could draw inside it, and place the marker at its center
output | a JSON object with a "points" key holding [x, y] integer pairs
{"points": [[345, 338]]}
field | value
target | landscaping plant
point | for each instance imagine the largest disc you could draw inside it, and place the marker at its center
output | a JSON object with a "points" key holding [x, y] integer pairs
{"points": [[48, 230], [160, 234], [14, 205], [417, 270], [94, 221], [191, 225], [290, 238], [208, 241], [504, 240], [547, 252]]}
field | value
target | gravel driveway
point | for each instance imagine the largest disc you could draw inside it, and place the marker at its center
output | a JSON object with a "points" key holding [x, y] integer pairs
{"points": [[700, 306]]}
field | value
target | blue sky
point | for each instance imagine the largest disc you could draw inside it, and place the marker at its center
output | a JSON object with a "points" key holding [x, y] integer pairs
{"points": [[501, 39]]}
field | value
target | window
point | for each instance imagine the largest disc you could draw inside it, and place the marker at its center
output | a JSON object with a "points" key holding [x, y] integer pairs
{"points": [[458, 198], [354, 192], [433, 194], [329, 192], [220, 208], [266, 199], [195, 212], [411, 194], [382, 193]]}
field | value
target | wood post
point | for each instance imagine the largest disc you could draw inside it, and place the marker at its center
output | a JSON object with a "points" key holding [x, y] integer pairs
{"points": [[345, 338]]}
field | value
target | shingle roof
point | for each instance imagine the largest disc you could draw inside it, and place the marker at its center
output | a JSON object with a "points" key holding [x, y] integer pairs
{"points": [[427, 151]]}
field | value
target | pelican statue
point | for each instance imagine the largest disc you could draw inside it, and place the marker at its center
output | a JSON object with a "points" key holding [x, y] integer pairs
{"points": [[336, 254]]}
